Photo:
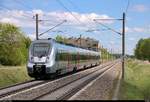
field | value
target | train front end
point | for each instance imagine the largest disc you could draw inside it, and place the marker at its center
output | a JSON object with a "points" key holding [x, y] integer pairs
{"points": [[40, 59]]}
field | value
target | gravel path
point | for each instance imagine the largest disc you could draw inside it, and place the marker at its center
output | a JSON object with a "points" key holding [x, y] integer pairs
{"points": [[101, 88]]}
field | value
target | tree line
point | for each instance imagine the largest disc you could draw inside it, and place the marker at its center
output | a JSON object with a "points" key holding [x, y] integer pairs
{"points": [[142, 50]]}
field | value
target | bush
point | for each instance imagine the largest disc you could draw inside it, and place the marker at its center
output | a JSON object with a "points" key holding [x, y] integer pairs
{"points": [[13, 45]]}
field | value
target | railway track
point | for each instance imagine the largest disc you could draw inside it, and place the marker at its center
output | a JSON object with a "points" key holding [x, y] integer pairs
{"points": [[66, 91], [18, 87], [35, 90], [16, 84]]}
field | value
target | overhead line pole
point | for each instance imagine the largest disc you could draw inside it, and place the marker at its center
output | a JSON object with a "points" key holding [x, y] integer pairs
{"points": [[102, 53], [123, 45], [37, 29]]}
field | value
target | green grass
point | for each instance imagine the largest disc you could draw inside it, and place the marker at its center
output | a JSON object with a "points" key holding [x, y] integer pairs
{"points": [[136, 85], [10, 75]]}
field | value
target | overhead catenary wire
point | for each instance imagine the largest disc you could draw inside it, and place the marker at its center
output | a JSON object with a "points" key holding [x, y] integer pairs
{"points": [[126, 10], [127, 7], [53, 27], [52, 24], [89, 19], [82, 23], [107, 27], [76, 7], [21, 3], [47, 22], [69, 11], [6, 8], [74, 15], [101, 19], [96, 30]]}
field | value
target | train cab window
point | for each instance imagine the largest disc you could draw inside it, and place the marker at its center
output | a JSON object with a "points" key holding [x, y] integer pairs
{"points": [[40, 49]]}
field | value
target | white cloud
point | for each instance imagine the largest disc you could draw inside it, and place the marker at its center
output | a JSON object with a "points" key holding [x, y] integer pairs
{"points": [[112, 42], [24, 19], [138, 29], [10, 20], [132, 39], [32, 36], [140, 8]]}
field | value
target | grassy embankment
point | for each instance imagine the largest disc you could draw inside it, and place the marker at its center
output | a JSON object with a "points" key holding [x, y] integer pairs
{"points": [[10, 75], [136, 85]]}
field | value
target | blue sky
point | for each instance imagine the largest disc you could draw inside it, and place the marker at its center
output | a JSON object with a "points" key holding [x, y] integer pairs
{"points": [[21, 12]]}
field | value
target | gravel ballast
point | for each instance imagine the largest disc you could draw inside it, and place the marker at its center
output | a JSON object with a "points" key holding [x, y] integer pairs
{"points": [[101, 88]]}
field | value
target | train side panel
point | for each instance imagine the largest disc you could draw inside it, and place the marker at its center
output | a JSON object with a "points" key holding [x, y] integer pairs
{"points": [[70, 58]]}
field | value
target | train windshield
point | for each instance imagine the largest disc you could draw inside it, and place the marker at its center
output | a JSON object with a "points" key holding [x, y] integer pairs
{"points": [[41, 49]]}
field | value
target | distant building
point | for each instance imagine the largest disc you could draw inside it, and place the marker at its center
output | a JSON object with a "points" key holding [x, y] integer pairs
{"points": [[87, 43]]}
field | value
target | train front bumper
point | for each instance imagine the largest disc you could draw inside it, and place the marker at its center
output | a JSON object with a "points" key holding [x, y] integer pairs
{"points": [[38, 69]]}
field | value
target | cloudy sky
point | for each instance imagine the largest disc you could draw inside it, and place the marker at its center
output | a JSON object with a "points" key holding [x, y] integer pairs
{"points": [[79, 15]]}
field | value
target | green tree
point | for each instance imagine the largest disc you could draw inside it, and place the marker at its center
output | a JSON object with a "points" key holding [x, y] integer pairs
{"points": [[145, 49], [142, 50], [13, 45], [137, 50], [60, 38]]}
